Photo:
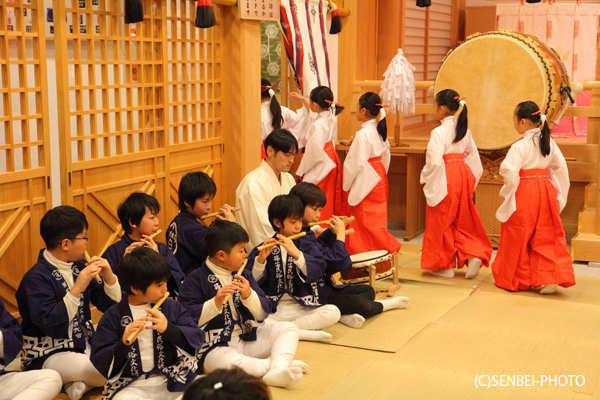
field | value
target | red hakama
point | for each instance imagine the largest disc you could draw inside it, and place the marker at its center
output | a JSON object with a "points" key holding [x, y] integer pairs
{"points": [[332, 186], [370, 223], [533, 246], [453, 228]]}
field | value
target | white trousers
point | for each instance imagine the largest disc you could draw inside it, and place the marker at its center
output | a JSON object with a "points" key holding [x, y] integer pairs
{"points": [[155, 392], [74, 367], [38, 384], [278, 340], [305, 317]]}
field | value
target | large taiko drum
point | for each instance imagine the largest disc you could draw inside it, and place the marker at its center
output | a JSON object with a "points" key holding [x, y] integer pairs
{"points": [[497, 70], [361, 263]]}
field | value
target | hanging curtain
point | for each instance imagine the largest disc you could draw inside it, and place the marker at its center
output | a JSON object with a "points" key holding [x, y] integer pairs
{"points": [[304, 34], [572, 30]]}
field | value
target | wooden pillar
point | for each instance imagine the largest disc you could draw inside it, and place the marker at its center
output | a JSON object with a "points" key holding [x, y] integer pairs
{"points": [[241, 98]]}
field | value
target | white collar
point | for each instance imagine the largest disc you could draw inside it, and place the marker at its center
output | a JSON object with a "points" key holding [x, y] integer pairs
{"points": [[56, 262], [217, 270], [370, 123], [532, 133], [266, 168]]}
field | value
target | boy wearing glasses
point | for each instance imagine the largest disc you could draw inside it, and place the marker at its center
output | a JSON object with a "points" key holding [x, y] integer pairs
{"points": [[54, 301]]}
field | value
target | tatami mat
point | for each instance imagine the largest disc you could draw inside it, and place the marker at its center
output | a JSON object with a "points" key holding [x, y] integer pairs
{"points": [[388, 331]]}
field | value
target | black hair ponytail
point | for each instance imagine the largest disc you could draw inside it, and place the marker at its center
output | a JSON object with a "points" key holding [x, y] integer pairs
{"points": [[275, 107], [323, 96], [451, 100], [372, 103], [529, 110]]}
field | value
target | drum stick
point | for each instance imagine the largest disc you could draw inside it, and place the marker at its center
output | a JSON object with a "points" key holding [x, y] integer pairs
{"points": [[87, 257], [216, 213], [346, 221], [239, 273], [266, 246], [135, 334]]}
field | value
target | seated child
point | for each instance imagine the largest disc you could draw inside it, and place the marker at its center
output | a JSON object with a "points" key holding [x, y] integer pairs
{"points": [[43, 384], [54, 301], [139, 219], [356, 302], [185, 236], [160, 362], [230, 310], [292, 273], [227, 384]]}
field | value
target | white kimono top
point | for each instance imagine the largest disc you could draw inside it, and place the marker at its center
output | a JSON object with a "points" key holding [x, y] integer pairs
{"points": [[359, 177], [525, 154], [316, 164], [295, 122], [253, 195], [440, 144]]}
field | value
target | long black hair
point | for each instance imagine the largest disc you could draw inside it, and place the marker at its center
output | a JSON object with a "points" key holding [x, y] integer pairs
{"points": [[323, 96], [372, 103], [529, 110], [451, 100], [275, 108]]}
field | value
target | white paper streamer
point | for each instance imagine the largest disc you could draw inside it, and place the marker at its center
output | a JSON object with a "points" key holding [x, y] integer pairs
{"points": [[398, 87]]}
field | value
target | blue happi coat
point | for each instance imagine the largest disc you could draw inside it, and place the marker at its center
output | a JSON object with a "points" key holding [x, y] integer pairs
{"points": [[115, 253], [45, 319], [11, 336], [174, 363], [185, 238], [279, 279], [334, 252], [202, 286]]}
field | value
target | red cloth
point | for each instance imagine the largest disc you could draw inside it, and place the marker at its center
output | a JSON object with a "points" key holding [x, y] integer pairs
{"points": [[263, 153], [332, 186], [370, 223], [533, 246], [453, 228]]}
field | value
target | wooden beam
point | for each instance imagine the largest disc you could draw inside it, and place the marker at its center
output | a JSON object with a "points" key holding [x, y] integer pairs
{"points": [[344, 12]]}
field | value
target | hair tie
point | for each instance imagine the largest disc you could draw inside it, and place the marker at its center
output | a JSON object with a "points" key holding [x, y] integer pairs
{"points": [[217, 386], [381, 113], [460, 100], [331, 102], [543, 119], [539, 111], [271, 93]]}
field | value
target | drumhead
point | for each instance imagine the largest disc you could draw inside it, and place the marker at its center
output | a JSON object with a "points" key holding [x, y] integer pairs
{"points": [[495, 71], [368, 256]]}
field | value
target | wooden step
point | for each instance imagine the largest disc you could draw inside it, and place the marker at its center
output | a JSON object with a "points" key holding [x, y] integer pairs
{"points": [[590, 195], [585, 247], [587, 220]]}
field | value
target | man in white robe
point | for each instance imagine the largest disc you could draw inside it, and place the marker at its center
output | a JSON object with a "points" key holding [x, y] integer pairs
{"points": [[260, 186]]}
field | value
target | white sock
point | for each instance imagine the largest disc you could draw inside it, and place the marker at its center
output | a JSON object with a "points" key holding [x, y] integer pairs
{"points": [[352, 320], [314, 336], [549, 289], [473, 268], [444, 273], [394, 303], [75, 390], [283, 377], [299, 364]]}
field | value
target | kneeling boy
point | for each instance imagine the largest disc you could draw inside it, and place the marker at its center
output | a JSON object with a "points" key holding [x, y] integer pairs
{"points": [[292, 273], [160, 362], [230, 310]]}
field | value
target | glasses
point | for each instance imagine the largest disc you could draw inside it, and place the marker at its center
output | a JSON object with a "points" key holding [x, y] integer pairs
{"points": [[86, 238]]}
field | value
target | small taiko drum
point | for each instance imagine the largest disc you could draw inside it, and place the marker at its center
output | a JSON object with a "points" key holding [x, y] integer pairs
{"points": [[361, 263], [497, 70]]}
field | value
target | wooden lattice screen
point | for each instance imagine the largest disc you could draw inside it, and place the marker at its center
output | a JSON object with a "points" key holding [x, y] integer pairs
{"points": [[24, 150], [140, 106]]}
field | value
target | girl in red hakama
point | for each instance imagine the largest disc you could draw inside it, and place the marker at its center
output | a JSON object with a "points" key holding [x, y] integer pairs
{"points": [[320, 163], [453, 228], [365, 180], [274, 116], [533, 246]]}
